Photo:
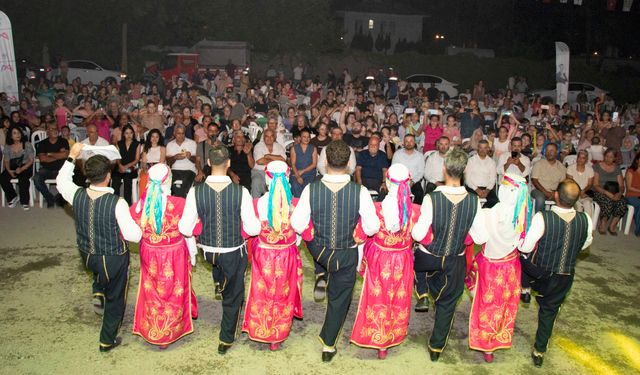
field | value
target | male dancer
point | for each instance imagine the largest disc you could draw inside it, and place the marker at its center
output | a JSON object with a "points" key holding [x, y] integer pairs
{"points": [[101, 217], [335, 204], [223, 207], [451, 213], [560, 233]]}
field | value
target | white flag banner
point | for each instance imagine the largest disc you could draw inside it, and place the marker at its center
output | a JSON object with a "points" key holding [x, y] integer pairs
{"points": [[8, 68], [562, 73], [577, 2], [626, 5]]}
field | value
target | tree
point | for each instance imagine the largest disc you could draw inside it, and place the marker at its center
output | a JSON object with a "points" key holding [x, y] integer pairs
{"points": [[379, 43]]}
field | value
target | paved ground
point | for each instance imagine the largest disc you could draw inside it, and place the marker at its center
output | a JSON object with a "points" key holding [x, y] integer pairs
{"points": [[48, 326]]}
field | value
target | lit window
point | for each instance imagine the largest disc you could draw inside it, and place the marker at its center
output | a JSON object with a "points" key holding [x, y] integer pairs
{"points": [[370, 24]]}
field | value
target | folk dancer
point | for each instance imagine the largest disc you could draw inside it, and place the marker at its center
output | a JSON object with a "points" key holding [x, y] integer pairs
{"points": [[560, 234], [335, 204], [451, 213], [103, 227], [494, 280], [166, 302], [224, 208], [385, 303]]}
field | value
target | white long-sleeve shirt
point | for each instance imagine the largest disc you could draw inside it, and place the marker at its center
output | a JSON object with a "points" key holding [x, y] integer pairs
{"points": [[536, 230], [433, 168], [414, 162], [421, 228], [128, 227], [302, 213], [322, 162], [250, 223], [480, 172]]}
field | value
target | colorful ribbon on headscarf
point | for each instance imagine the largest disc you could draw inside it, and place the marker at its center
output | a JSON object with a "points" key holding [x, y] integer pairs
{"points": [[524, 208], [280, 197], [152, 204], [404, 200]]}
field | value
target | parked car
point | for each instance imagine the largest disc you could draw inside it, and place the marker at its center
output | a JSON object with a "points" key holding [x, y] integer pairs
{"points": [[30, 70], [575, 88], [415, 80], [87, 71]]}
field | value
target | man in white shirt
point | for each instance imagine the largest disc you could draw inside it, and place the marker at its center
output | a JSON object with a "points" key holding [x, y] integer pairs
{"points": [[433, 167], [410, 157], [224, 208], [103, 225], [480, 175], [336, 135], [451, 213], [558, 235], [264, 152], [93, 139], [181, 156], [514, 162], [333, 246]]}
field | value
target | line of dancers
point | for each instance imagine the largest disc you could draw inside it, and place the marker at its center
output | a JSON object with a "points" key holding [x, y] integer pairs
{"points": [[333, 216]]}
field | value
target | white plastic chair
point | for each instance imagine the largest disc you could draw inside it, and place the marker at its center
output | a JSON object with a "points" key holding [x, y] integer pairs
{"points": [[37, 136], [570, 160], [254, 131], [624, 223], [79, 133]]}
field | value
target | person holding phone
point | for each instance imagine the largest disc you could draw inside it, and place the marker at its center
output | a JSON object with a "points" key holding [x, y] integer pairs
{"points": [[480, 175]]}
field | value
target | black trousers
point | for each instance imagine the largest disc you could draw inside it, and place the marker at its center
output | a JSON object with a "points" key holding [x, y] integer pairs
{"points": [[492, 198], [228, 271], [110, 280], [445, 284], [418, 193], [23, 185], [186, 177], [552, 290], [123, 179], [340, 266], [374, 184]]}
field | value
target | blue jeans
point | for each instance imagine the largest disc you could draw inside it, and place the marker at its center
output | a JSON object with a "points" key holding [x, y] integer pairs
{"points": [[635, 202], [538, 200], [38, 181]]}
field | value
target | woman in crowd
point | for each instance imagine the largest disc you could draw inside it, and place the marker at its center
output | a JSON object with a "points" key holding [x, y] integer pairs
{"points": [[166, 302], [275, 294], [322, 139], [432, 132], [18, 157], [304, 159], [387, 267], [582, 173], [452, 131], [127, 166], [501, 145], [608, 186], [153, 152], [632, 180]]}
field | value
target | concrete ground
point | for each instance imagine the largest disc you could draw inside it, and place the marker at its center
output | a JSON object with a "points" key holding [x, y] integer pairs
{"points": [[49, 327]]}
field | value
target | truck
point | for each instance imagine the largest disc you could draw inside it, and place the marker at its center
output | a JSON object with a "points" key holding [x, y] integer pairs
{"points": [[205, 54]]}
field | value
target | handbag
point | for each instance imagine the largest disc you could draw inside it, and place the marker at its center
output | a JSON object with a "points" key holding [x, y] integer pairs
{"points": [[15, 163], [612, 187]]}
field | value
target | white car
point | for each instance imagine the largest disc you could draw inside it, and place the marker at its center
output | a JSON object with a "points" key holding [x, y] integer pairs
{"points": [[415, 80], [575, 88], [88, 71]]}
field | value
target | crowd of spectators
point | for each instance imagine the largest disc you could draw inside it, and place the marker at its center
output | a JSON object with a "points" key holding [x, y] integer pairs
{"points": [[274, 117]]}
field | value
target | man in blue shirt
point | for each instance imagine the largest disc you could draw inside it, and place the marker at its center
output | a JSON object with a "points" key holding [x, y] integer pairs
{"points": [[371, 167]]}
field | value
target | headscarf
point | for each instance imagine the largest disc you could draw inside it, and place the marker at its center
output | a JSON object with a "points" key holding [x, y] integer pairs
{"points": [[279, 200], [152, 202], [521, 199], [398, 177]]}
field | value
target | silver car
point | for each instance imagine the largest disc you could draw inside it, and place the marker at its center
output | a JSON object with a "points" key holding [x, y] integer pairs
{"points": [[416, 80], [592, 92], [87, 71]]}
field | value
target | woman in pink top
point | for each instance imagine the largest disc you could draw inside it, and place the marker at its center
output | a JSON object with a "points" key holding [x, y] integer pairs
{"points": [[452, 131], [102, 122], [432, 131]]}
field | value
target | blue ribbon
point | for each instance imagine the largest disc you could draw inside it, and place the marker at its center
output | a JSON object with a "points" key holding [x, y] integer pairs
{"points": [[272, 187], [155, 191]]}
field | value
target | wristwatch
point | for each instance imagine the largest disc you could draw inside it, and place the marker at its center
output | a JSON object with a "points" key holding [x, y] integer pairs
{"points": [[71, 160]]}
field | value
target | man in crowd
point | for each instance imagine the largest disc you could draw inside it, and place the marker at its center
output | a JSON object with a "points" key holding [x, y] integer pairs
{"points": [[470, 119], [357, 140], [336, 135], [241, 156], [265, 151], [223, 208], [151, 118], [371, 168], [51, 152], [480, 175], [433, 173], [546, 175], [333, 246], [181, 156], [413, 159], [560, 234], [514, 162]]}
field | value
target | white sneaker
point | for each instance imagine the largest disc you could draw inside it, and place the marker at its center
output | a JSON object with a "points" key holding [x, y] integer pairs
{"points": [[14, 202], [25, 207]]}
